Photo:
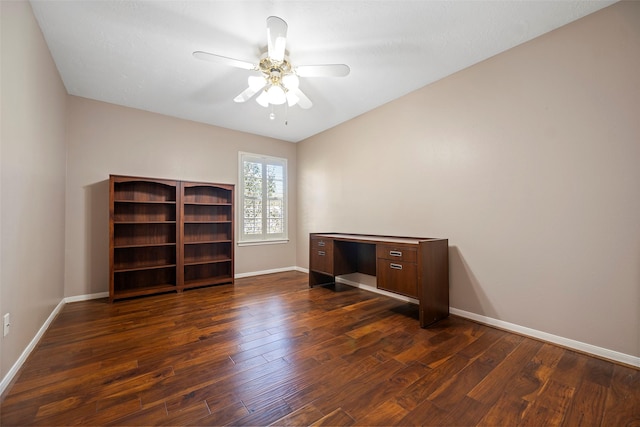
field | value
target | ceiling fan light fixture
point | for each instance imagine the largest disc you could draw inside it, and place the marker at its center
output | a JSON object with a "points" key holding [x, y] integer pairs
{"points": [[290, 81], [263, 99], [276, 95], [256, 82]]}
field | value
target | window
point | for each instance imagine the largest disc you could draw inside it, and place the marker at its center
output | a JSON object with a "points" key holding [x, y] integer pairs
{"points": [[263, 199]]}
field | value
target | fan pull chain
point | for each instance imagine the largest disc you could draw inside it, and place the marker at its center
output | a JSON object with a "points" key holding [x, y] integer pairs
{"points": [[286, 114]]}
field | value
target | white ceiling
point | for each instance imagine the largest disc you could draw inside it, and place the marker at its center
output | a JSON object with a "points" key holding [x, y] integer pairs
{"points": [[139, 53]]}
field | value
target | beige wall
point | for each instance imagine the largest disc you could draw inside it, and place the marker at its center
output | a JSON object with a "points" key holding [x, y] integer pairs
{"points": [[108, 139], [527, 162], [32, 180]]}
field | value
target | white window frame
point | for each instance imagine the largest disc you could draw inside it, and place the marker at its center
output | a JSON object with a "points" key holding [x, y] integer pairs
{"points": [[264, 238]]}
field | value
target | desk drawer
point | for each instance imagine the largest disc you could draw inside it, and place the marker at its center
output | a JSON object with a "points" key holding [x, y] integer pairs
{"points": [[397, 253], [321, 243], [321, 256], [398, 277]]}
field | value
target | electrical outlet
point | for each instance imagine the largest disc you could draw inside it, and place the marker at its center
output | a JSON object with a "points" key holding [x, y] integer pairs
{"points": [[7, 323]]}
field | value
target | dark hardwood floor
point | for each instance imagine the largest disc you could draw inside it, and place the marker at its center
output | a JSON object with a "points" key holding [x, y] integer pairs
{"points": [[271, 351]]}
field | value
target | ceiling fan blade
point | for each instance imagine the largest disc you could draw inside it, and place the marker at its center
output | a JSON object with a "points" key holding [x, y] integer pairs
{"points": [[256, 84], [245, 95], [304, 102], [206, 56], [276, 37], [327, 70]]}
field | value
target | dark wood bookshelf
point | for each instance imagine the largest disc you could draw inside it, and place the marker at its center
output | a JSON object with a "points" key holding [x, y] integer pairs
{"points": [[153, 223]]}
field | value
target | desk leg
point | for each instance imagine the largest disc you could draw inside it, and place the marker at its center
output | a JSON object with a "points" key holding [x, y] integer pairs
{"points": [[421, 309], [430, 315]]}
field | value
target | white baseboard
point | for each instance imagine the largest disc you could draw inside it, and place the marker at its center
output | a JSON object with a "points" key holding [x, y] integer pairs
{"points": [[27, 351], [604, 353], [87, 297], [258, 273]]}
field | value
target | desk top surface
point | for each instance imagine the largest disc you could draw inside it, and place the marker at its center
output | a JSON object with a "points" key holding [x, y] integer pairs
{"points": [[367, 238]]}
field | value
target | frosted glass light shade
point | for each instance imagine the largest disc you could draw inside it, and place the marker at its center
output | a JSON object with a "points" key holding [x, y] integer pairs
{"points": [[291, 81], [276, 95], [256, 82], [263, 99]]}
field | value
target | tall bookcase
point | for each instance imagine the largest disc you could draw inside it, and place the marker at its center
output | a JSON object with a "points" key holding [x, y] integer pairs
{"points": [[206, 224], [168, 235]]}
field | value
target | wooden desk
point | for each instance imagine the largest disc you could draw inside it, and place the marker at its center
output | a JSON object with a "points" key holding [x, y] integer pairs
{"points": [[411, 266]]}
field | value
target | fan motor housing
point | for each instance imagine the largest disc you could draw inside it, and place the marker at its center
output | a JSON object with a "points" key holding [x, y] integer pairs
{"points": [[274, 70]]}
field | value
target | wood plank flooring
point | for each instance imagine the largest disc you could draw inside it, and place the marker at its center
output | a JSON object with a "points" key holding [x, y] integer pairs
{"points": [[271, 351]]}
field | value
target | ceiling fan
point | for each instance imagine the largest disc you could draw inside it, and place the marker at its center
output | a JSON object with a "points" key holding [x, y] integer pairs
{"points": [[278, 82]]}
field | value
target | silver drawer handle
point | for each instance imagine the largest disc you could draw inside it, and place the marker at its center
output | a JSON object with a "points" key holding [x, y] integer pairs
{"points": [[321, 253], [320, 243], [395, 253], [396, 266]]}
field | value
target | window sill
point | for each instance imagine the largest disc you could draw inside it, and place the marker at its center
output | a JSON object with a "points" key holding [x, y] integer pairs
{"points": [[263, 242]]}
